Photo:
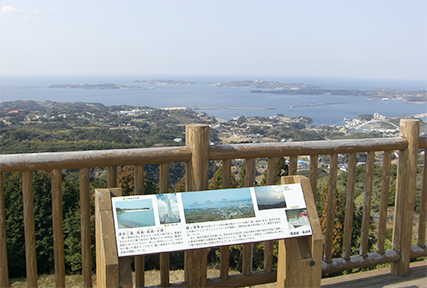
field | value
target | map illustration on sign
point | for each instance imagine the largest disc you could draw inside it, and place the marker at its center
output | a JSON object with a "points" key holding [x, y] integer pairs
{"points": [[217, 205], [133, 214]]}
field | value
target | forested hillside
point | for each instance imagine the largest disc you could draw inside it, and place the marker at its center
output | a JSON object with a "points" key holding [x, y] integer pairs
{"points": [[34, 127]]}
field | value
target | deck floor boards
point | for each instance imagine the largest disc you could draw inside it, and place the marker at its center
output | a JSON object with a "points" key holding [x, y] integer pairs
{"points": [[381, 278]]}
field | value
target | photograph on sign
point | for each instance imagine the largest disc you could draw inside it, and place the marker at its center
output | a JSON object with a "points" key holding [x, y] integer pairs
{"points": [[270, 197], [297, 218], [134, 214], [167, 205], [147, 224], [217, 205]]}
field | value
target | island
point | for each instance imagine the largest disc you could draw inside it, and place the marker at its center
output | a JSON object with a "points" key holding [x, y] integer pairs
{"points": [[261, 84], [275, 87], [164, 82]]}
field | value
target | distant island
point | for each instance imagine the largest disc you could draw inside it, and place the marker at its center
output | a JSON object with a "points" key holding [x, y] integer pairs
{"points": [[264, 85], [164, 82], [104, 86], [418, 96]]}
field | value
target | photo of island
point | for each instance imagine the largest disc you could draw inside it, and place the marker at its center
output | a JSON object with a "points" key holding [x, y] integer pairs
{"points": [[135, 213], [217, 205], [167, 205], [270, 197]]}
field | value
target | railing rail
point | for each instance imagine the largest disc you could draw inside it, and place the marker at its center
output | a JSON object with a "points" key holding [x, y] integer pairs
{"points": [[198, 151]]}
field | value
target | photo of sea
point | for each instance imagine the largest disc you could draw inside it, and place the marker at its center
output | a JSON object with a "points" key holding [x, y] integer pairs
{"points": [[270, 197], [134, 213], [167, 205], [217, 205]]}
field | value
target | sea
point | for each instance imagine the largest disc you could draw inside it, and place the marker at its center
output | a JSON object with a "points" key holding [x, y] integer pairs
{"points": [[136, 219], [215, 100]]}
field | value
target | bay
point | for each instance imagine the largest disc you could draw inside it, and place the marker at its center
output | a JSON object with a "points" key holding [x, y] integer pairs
{"points": [[201, 94]]}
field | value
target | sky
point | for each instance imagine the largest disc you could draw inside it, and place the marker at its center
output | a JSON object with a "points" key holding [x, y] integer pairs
{"points": [[310, 38]]}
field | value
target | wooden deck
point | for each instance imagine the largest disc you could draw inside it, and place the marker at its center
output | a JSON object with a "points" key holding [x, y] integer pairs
{"points": [[381, 278]]}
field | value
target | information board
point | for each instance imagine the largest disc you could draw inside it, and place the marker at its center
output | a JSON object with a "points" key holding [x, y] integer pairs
{"points": [[147, 224]]}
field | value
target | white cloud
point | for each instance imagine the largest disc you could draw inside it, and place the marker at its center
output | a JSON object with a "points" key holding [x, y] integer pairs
{"points": [[25, 19], [10, 8]]}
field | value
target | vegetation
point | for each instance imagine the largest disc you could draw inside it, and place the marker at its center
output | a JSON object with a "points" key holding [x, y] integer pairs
{"points": [[28, 126]]}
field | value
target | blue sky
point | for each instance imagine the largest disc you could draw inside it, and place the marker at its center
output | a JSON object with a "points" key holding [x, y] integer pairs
{"points": [[313, 38], [135, 204]]}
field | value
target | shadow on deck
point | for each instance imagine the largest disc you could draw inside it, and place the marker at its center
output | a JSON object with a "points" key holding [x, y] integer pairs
{"points": [[381, 278]]}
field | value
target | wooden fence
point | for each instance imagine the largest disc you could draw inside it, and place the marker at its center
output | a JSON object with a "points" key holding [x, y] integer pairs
{"points": [[196, 155]]}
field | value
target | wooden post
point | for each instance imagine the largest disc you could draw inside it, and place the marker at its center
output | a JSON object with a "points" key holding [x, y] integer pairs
{"points": [[385, 190], [300, 259], [4, 272], [107, 262], [349, 206], [29, 228], [85, 227], [269, 245], [197, 179], [139, 260], [111, 176], [247, 248], [405, 196], [58, 236], [225, 250], [423, 207], [293, 165], [314, 163], [164, 257], [330, 214], [367, 197]]}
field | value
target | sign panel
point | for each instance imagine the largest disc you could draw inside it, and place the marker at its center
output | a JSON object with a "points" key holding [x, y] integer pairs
{"points": [[147, 224]]}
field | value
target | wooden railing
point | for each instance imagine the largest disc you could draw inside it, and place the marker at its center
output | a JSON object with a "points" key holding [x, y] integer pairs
{"points": [[196, 155]]}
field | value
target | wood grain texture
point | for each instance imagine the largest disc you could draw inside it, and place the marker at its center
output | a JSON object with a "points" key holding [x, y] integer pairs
{"points": [[385, 190], [330, 214], [265, 150], [197, 179], [107, 262], [247, 248], [85, 226], [405, 196], [111, 176], [268, 245], [314, 163], [349, 206], [164, 257], [423, 206], [139, 260], [367, 200], [4, 271], [101, 158], [58, 237], [225, 250], [300, 259], [29, 228], [293, 165]]}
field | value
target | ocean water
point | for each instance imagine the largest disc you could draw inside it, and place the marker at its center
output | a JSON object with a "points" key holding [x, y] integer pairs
{"points": [[136, 219], [205, 96]]}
